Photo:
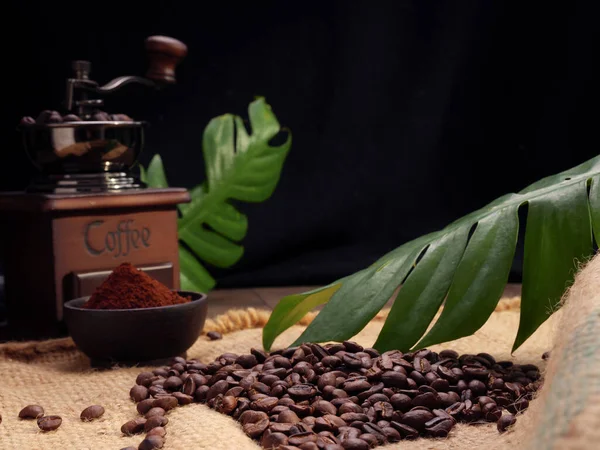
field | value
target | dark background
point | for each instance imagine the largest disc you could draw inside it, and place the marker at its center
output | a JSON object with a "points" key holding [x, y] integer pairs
{"points": [[405, 115]]}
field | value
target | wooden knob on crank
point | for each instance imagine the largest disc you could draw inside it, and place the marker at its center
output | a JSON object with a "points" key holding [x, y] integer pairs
{"points": [[164, 53]]}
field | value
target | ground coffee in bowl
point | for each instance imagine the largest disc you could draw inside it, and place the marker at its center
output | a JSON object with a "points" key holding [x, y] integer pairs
{"points": [[128, 287]]}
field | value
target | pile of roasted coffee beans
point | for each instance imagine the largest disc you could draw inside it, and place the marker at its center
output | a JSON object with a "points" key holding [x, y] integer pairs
{"points": [[337, 396], [50, 117]]}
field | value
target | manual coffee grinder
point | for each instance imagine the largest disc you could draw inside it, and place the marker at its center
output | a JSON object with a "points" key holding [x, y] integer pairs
{"points": [[86, 212]]}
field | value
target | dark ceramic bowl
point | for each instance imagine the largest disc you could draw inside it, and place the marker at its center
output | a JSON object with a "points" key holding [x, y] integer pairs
{"points": [[132, 336]]}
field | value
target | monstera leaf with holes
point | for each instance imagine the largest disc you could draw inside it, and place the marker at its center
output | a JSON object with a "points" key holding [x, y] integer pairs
{"points": [[240, 166], [465, 266]]}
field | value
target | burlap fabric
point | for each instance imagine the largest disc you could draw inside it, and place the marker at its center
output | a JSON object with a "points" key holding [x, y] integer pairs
{"points": [[566, 415]]}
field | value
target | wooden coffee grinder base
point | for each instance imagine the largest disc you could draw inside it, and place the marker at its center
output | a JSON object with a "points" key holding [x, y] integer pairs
{"points": [[56, 247]]}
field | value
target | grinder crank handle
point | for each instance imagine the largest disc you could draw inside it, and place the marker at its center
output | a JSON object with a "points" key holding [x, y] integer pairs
{"points": [[164, 54]]}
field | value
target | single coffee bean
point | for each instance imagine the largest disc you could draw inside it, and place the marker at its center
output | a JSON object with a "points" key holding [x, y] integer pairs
{"points": [[484, 400], [513, 388], [506, 421], [139, 393], [145, 405], [173, 383], [394, 379], [157, 431], [440, 384], [448, 398], [351, 360], [352, 347], [178, 360], [155, 421], [92, 412], [228, 405], [273, 440], [286, 401], [339, 393], [327, 379], [288, 416], [406, 431], [421, 365], [155, 411], [417, 377], [220, 387], [412, 384], [161, 372], [260, 388], [168, 402], [416, 418], [145, 379], [323, 407], [260, 355], [302, 438], [355, 444], [158, 381], [331, 361], [332, 447], [247, 361], [101, 116], [254, 423], [447, 374], [214, 335], [302, 409], [134, 426], [182, 398], [265, 404], [448, 354], [384, 410], [284, 428], [156, 391], [370, 439], [189, 386], [199, 380], [441, 429], [49, 423], [31, 412], [455, 409], [329, 422], [477, 387], [307, 423], [391, 434], [401, 402], [27, 120], [348, 433], [353, 417], [429, 400], [520, 405], [491, 412], [473, 413], [354, 385], [306, 446], [350, 408], [151, 443], [302, 391], [201, 393]]}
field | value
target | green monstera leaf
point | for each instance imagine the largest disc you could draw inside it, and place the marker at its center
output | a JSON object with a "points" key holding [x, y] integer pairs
{"points": [[240, 166], [464, 266]]}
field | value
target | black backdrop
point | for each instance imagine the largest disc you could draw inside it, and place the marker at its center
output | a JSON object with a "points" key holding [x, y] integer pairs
{"points": [[405, 115]]}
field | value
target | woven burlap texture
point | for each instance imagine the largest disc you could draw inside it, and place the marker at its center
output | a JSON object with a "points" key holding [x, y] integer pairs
{"points": [[58, 377]]}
